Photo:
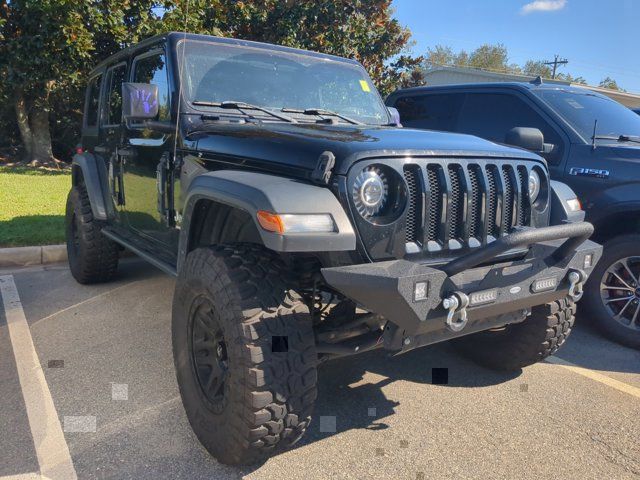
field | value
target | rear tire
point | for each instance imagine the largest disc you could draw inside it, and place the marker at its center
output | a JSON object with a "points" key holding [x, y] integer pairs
{"points": [[626, 328], [244, 353], [93, 258], [522, 344]]}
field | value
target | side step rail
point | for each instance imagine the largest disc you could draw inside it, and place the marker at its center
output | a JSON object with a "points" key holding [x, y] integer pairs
{"points": [[164, 266]]}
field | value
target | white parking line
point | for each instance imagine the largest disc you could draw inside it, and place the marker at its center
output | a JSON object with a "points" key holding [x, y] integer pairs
{"points": [[598, 377], [91, 299], [49, 442]]}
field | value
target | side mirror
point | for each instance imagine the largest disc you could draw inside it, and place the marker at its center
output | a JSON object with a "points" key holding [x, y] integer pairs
{"points": [[395, 115], [527, 138], [139, 101]]}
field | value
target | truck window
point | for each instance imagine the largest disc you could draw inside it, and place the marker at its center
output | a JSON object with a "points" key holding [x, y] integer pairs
{"points": [[152, 68], [492, 115], [430, 112], [116, 77], [93, 101]]}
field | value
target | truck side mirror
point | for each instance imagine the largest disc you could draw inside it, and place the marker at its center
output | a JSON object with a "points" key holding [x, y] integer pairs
{"points": [[527, 138], [395, 115], [139, 101]]}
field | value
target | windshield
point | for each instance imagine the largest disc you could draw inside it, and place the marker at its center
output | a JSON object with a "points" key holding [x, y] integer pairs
{"points": [[273, 79], [581, 110]]}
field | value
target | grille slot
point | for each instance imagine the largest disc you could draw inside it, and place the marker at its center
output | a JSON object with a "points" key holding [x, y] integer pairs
{"points": [[523, 201], [475, 214], [411, 176], [507, 216], [458, 205], [492, 201], [435, 202], [456, 222]]}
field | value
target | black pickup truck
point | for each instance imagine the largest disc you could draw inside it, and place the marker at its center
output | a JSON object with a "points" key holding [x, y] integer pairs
{"points": [[303, 225], [589, 141]]}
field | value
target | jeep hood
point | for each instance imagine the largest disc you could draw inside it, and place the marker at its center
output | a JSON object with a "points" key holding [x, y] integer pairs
{"points": [[300, 145]]}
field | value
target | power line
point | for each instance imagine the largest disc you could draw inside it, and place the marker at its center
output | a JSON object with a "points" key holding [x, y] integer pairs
{"points": [[557, 61]]}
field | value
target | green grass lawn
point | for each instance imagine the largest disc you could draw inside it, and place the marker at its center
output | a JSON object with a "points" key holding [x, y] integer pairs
{"points": [[32, 204]]}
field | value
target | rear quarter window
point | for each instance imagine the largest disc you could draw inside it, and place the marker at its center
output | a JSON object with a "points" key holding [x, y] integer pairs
{"points": [[92, 106]]}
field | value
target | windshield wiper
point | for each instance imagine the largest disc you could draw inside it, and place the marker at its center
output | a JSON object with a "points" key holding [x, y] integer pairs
{"points": [[619, 138], [320, 112], [243, 106]]}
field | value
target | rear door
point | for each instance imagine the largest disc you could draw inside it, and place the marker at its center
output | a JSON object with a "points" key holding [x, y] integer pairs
{"points": [[110, 130]]}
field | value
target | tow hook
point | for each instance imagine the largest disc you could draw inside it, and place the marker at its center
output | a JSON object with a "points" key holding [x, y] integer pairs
{"points": [[456, 303], [576, 282]]}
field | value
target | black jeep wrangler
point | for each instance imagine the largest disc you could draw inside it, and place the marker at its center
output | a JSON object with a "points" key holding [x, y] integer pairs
{"points": [[303, 225], [589, 141]]}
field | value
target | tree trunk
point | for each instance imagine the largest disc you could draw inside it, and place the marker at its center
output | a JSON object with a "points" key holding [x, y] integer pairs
{"points": [[22, 117], [41, 135], [35, 133]]}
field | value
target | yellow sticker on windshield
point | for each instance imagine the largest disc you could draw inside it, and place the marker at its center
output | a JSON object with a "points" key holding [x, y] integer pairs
{"points": [[364, 86]]}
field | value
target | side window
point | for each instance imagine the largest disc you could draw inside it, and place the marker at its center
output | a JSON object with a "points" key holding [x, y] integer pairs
{"points": [[430, 112], [114, 96], [91, 108], [492, 115], [153, 69]]}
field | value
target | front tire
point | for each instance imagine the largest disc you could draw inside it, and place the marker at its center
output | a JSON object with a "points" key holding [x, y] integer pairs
{"points": [[244, 353], [612, 293], [93, 258], [522, 344]]}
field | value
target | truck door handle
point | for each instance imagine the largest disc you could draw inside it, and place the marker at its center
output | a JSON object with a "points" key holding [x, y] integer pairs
{"points": [[126, 152], [100, 149]]}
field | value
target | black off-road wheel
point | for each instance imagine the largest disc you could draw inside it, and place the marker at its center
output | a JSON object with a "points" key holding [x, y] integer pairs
{"points": [[522, 344], [244, 353], [93, 258], [612, 293]]}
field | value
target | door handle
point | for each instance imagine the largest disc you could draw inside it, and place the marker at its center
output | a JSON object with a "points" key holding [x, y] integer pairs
{"points": [[126, 152], [100, 149]]}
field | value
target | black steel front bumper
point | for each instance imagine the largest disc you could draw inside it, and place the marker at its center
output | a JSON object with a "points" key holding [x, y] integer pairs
{"points": [[410, 295]]}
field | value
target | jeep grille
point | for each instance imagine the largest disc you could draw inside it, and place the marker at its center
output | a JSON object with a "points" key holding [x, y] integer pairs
{"points": [[459, 205]]}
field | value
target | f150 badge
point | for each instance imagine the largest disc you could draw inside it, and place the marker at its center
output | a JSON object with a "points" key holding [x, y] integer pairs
{"points": [[589, 172]]}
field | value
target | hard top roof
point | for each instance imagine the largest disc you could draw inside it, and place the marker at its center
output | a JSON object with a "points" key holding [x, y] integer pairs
{"points": [[174, 37]]}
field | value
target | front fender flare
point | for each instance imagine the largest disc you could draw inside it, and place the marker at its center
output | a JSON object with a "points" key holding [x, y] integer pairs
{"points": [[250, 192]]}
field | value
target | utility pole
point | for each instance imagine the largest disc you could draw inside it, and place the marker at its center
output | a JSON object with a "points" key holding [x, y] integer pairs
{"points": [[555, 63]]}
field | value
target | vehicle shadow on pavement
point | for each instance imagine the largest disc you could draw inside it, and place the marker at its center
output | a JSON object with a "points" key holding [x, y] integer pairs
{"points": [[347, 400]]}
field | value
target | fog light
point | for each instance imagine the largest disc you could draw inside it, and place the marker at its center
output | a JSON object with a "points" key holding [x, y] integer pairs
{"points": [[483, 297], [420, 291], [544, 285], [588, 260]]}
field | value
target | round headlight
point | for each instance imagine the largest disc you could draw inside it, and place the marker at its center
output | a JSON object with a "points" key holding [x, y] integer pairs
{"points": [[534, 185], [370, 192]]}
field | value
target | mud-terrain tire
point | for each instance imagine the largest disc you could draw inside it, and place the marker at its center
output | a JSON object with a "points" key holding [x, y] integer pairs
{"points": [[624, 329], [234, 303], [521, 344], [93, 258]]}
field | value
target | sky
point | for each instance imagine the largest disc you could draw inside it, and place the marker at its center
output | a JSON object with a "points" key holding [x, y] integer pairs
{"points": [[600, 38]]}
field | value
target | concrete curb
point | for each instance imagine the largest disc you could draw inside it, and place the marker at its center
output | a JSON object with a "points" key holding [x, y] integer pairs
{"points": [[27, 256]]}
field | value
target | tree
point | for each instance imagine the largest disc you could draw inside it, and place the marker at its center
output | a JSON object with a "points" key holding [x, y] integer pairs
{"points": [[490, 57], [439, 56], [611, 84], [44, 44], [537, 68]]}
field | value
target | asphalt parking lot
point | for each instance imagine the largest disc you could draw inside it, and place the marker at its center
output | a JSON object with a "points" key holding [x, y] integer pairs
{"points": [[105, 352]]}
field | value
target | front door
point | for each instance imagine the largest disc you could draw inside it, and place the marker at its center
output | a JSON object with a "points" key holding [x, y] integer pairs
{"points": [[147, 155]]}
